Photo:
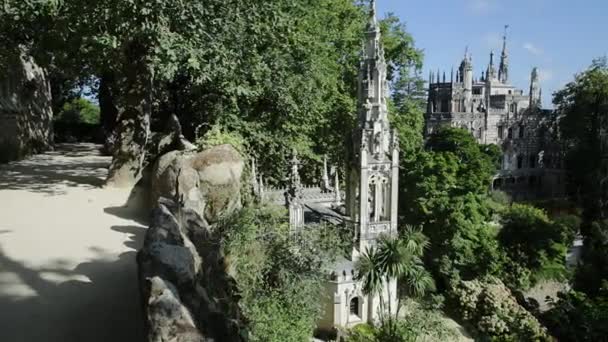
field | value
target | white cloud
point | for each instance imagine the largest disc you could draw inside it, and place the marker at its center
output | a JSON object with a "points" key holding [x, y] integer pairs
{"points": [[533, 49], [482, 6]]}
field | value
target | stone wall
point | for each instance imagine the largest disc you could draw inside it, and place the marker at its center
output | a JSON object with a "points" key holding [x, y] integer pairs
{"points": [[25, 108], [187, 292]]}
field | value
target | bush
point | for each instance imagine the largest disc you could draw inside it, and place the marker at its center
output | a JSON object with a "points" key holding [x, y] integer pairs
{"points": [[492, 311], [218, 135], [576, 317], [279, 273], [418, 323], [533, 241]]}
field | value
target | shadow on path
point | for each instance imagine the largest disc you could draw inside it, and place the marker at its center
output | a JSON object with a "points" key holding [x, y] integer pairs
{"points": [[107, 308], [136, 237], [72, 165]]}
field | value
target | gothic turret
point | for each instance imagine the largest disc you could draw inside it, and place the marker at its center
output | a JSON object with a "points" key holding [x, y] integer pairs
{"points": [[373, 173], [491, 72], [535, 91], [503, 70], [466, 72]]}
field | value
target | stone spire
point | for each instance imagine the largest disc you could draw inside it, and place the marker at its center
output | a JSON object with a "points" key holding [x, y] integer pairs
{"points": [[373, 172], [325, 177], [503, 70], [337, 194], [535, 92], [294, 180], [254, 178], [491, 72], [373, 86]]}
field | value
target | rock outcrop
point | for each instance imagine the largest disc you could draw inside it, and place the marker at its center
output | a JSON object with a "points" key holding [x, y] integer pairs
{"points": [[209, 181], [25, 108], [187, 294]]}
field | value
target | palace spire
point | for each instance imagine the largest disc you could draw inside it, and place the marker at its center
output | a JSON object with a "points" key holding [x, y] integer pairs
{"points": [[503, 70]]}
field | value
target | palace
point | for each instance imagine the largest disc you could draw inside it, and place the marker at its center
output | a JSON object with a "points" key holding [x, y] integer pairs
{"points": [[495, 112]]}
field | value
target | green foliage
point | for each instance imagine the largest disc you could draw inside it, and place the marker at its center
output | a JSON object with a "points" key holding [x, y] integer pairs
{"points": [[219, 136], [279, 274], [576, 317], [583, 104], [592, 275], [394, 259], [445, 189], [79, 110], [417, 323], [491, 310], [535, 242]]}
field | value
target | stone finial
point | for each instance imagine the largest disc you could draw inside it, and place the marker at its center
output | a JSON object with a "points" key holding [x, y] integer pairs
{"points": [[337, 195], [325, 178], [254, 177]]}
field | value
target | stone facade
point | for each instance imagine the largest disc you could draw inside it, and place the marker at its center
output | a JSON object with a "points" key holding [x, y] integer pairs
{"points": [[495, 112], [25, 108]]}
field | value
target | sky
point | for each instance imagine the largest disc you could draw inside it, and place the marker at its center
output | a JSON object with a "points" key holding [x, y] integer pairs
{"points": [[560, 37]]}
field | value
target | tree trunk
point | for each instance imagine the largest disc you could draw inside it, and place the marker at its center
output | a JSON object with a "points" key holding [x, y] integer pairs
{"points": [[133, 126], [108, 109]]}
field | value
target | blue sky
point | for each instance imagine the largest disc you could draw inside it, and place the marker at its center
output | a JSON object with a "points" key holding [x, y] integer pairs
{"points": [[560, 37]]}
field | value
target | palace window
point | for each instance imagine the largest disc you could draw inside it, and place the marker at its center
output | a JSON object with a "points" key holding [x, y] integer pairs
{"points": [[510, 133], [477, 91], [532, 161], [354, 306], [445, 107], [500, 132], [521, 131], [520, 162]]}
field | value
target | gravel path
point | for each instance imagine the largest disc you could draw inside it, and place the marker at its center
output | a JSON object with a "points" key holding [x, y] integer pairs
{"points": [[67, 251]]}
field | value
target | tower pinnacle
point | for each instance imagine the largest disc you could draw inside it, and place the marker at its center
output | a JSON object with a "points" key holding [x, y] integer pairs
{"points": [[373, 20], [503, 71]]}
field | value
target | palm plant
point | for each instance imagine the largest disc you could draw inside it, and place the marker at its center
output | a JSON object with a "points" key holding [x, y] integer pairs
{"points": [[395, 258]]}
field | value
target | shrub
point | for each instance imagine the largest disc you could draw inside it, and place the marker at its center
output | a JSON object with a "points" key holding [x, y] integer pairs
{"points": [[492, 311], [218, 135], [279, 273], [533, 241]]}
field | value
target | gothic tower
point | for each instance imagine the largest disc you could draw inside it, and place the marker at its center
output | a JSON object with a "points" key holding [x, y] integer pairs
{"points": [[374, 171], [535, 91]]}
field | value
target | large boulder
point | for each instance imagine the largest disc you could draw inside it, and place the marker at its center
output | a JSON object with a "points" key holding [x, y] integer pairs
{"points": [[208, 182], [220, 170], [168, 318]]}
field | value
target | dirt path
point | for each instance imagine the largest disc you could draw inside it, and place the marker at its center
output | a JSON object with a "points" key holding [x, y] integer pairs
{"points": [[67, 251]]}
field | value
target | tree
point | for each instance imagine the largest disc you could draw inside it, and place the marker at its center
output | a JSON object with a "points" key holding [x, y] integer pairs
{"points": [[535, 242], [79, 110], [583, 105], [445, 190]]}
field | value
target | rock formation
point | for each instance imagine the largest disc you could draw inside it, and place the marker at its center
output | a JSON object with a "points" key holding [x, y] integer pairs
{"points": [[209, 181], [187, 293], [25, 108]]}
